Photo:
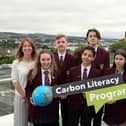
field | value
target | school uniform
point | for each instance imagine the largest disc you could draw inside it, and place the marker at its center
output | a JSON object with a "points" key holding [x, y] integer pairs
{"points": [[43, 116], [101, 62], [115, 113], [77, 105], [67, 63], [101, 58]]}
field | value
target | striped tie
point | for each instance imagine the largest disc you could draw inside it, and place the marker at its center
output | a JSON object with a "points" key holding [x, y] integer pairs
{"points": [[47, 81]]}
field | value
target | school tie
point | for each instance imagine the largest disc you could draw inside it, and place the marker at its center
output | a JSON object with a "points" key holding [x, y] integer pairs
{"points": [[85, 73], [47, 81], [61, 61]]}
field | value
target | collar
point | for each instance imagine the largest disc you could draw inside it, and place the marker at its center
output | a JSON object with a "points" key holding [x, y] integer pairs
{"points": [[88, 67], [42, 70], [62, 54]]}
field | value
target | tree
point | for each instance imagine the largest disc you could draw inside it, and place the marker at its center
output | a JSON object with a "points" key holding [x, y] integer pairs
{"points": [[79, 48], [119, 44], [6, 59]]}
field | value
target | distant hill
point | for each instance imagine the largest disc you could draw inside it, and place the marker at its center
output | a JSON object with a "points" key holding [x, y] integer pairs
{"points": [[40, 37], [10, 35]]}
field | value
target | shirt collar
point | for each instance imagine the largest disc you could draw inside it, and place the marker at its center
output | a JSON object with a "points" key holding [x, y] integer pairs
{"points": [[42, 70], [96, 48], [62, 54], [88, 67]]}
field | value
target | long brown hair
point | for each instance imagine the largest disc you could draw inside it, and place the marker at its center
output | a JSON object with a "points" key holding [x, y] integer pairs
{"points": [[122, 52], [37, 65], [20, 54]]}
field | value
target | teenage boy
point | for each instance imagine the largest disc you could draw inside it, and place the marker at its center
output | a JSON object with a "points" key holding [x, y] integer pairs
{"points": [[64, 61], [101, 61]]}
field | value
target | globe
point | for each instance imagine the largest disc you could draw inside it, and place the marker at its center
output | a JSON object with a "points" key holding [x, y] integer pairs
{"points": [[42, 95]]}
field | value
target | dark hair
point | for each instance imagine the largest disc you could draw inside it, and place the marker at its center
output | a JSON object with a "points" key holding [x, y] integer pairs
{"points": [[122, 52], [94, 30], [60, 36], [91, 49]]}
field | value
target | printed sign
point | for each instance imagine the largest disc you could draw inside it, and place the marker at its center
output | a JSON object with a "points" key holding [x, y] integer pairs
{"points": [[98, 90]]}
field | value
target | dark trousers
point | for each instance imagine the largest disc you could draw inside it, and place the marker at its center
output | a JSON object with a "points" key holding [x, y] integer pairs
{"points": [[64, 112], [83, 116], [97, 118]]}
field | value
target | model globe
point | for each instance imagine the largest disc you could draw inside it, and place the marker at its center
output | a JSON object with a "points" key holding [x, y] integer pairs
{"points": [[42, 95]]}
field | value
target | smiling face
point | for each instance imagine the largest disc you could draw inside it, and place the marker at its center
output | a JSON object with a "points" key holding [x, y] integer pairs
{"points": [[87, 57], [27, 48], [61, 44], [45, 61], [119, 61]]}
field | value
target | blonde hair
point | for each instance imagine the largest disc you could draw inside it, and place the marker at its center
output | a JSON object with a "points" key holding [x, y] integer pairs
{"points": [[37, 65], [20, 54]]}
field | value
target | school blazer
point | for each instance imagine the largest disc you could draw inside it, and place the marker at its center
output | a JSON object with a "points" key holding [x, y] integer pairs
{"points": [[68, 63], [119, 105], [74, 101], [34, 111], [101, 59]]}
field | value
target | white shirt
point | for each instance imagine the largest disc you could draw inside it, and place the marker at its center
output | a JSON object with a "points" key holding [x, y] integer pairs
{"points": [[82, 70], [61, 54], [43, 76], [96, 48], [121, 72], [19, 73]]}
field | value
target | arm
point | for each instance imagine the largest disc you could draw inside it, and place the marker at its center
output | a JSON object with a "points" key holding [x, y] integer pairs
{"points": [[15, 79], [18, 88]]}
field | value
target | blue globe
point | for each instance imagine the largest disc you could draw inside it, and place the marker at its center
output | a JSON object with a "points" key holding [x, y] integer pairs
{"points": [[42, 95]]}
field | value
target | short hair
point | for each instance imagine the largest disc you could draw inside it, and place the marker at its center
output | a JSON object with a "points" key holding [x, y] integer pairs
{"points": [[60, 36], [91, 49], [94, 30]]}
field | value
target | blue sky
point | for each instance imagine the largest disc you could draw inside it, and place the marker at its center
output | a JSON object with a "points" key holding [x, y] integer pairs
{"points": [[71, 17]]}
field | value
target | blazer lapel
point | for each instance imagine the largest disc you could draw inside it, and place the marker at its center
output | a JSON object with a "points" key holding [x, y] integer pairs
{"points": [[65, 60], [57, 59], [78, 73], [90, 73]]}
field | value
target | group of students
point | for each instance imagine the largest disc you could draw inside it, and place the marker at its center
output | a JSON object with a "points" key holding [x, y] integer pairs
{"points": [[31, 70]]}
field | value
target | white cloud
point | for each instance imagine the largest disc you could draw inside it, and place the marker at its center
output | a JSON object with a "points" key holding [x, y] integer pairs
{"points": [[68, 16]]}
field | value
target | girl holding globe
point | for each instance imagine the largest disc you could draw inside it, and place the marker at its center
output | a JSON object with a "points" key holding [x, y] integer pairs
{"points": [[48, 115], [115, 112], [25, 57]]}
